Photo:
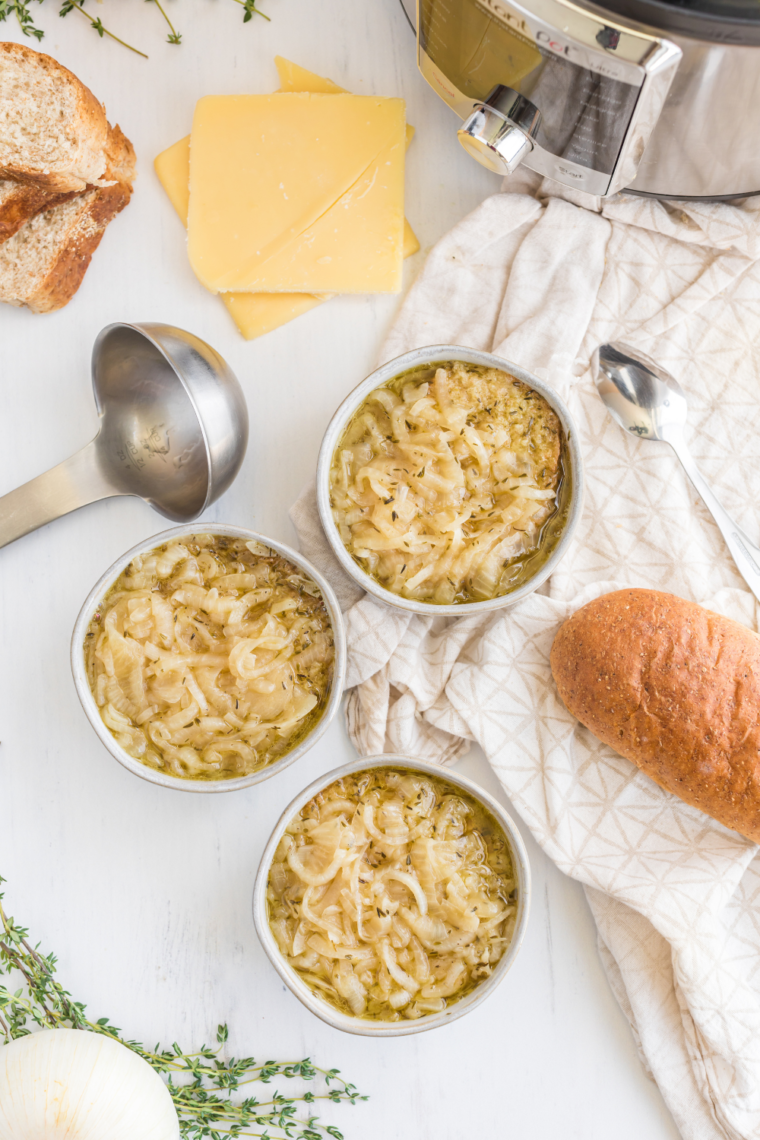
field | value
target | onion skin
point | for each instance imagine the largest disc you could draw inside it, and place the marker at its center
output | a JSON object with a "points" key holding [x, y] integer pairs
{"points": [[70, 1084]]}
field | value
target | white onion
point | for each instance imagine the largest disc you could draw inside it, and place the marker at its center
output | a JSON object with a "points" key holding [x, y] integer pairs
{"points": [[69, 1084]]}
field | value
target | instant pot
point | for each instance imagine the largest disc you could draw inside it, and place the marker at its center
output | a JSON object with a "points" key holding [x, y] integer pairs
{"points": [[653, 97]]}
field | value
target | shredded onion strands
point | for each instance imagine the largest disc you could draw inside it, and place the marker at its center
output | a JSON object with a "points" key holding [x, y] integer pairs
{"points": [[210, 657], [444, 482], [392, 894]]}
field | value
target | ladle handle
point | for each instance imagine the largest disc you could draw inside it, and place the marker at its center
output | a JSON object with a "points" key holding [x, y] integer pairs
{"points": [[72, 484], [745, 554]]}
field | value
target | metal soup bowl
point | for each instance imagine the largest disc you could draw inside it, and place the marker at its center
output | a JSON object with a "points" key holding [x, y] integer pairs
{"points": [[84, 692], [364, 1026], [441, 354]]}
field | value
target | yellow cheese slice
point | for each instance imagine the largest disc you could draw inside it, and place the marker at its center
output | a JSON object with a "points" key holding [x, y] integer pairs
{"points": [[173, 169], [258, 313], [411, 245], [253, 313], [270, 174], [354, 247], [295, 78]]}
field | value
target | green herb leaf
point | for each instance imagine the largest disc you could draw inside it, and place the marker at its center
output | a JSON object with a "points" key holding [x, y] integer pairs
{"points": [[21, 9], [201, 1083]]}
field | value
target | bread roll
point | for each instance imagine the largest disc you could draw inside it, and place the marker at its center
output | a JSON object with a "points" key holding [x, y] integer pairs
{"points": [[676, 689]]}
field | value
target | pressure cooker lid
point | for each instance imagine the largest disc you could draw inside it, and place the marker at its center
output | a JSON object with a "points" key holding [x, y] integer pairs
{"points": [[720, 21]]}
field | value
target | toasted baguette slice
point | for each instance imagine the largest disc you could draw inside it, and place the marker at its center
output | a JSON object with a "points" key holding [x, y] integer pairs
{"points": [[53, 131], [43, 264], [19, 202]]}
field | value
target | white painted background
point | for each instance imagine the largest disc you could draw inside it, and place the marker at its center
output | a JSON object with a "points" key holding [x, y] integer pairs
{"points": [[144, 893]]}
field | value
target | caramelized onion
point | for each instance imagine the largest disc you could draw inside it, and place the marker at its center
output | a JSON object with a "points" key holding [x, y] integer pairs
{"points": [[395, 922], [444, 481], [210, 657]]}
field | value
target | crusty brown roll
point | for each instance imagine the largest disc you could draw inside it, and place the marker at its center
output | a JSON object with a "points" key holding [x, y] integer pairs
{"points": [[676, 689]]}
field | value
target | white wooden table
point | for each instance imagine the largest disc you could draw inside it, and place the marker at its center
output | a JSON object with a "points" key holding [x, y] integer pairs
{"points": [[144, 893]]}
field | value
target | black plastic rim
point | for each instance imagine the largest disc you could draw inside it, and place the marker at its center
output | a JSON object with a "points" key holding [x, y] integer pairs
{"points": [[689, 197], [716, 21]]}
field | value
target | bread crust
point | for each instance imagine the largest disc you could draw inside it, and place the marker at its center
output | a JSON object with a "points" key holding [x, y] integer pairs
{"points": [[99, 205], [674, 688], [120, 158], [20, 202], [88, 162], [67, 273]]}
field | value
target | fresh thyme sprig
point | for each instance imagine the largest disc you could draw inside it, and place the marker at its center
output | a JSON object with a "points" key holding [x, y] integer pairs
{"points": [[202, 1084], [250, 10], [95, 24], [21, 9], [174, 36]]}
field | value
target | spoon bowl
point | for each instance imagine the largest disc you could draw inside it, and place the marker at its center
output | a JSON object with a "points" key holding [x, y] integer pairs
{"points": [[173, 431], [641, 397]]}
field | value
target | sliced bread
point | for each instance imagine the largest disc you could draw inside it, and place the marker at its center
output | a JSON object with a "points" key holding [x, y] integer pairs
{"points": [[43, 264], [53, 131], [19, 202]]}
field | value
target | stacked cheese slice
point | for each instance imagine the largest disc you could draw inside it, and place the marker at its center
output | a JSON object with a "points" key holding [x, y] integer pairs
{"points": [[293, 197]]}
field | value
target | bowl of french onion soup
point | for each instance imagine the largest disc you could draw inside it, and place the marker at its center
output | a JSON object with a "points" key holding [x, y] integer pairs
{"points": [[208, 659], [450, 480], [392, 896]]}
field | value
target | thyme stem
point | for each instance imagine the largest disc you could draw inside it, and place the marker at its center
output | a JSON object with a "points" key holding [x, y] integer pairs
{"points": [[97, 24], [174, 36], [21, 10], [251, 10], [202, 1084]]}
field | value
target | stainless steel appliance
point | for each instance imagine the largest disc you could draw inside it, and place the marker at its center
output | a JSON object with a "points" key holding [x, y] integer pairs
{"points": [[657, 97]]}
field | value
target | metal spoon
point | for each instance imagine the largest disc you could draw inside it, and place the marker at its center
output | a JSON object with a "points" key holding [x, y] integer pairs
{"points": [[173, 430], [647, 401]]}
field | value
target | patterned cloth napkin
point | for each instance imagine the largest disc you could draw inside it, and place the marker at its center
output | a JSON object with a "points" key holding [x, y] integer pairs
{"points": [[676, 896]]}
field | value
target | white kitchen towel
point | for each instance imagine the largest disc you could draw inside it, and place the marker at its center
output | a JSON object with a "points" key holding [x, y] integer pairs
{"points": [[676, 896]]}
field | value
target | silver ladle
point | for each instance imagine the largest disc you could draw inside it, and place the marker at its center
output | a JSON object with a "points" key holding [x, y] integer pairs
{"points": [[647, 401], [173, 430]]}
